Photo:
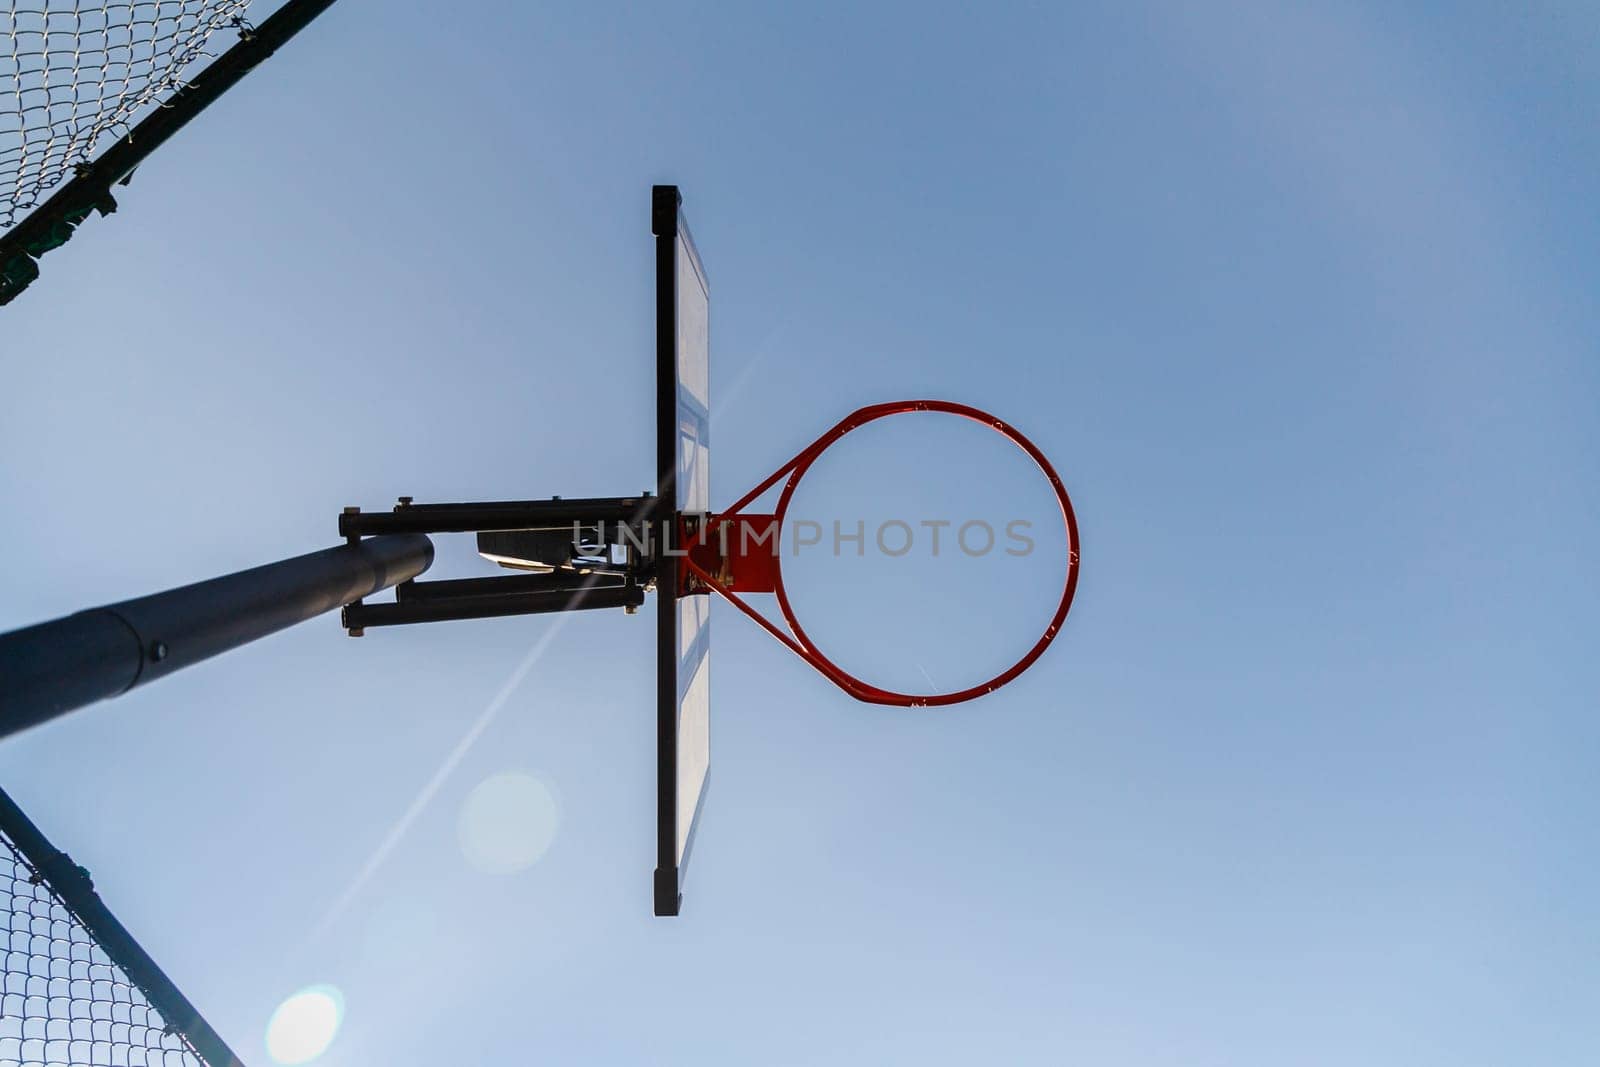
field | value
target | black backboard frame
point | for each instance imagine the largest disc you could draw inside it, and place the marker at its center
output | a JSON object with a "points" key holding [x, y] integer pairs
{"points": [[669, 227]]}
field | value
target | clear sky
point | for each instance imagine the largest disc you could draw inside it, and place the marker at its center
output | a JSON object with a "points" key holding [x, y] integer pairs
{"points": [[1299, 298]]}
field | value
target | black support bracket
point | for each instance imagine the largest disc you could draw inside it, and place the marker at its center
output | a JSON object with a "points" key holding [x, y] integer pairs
{"points": [[555, 538]]}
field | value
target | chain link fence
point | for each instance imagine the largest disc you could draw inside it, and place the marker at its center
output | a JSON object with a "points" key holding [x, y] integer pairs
{"points": [[76, 990], [73, 72], [63, 1001]]}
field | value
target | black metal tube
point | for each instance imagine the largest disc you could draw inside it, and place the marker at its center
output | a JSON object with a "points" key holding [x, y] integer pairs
{"points": [[576, 505], [665, 200], [54, 667], [73, 887], [51, 223], [496, 515], [360, 616], [452, 588]]}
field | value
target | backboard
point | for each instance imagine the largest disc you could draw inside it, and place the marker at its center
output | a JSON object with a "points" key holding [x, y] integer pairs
{"points": [[683, 636]]}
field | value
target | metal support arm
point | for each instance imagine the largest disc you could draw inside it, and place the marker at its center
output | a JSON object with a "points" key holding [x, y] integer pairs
{"points": [[568, 541], [496, 515], [54, 667], [611, 594]]}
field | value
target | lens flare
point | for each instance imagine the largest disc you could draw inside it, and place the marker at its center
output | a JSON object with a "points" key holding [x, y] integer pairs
{"points": [[305, 1025], [507, 823]]}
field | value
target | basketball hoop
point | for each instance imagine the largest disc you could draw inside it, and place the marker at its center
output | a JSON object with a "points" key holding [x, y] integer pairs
{"points": [[729, 573]]}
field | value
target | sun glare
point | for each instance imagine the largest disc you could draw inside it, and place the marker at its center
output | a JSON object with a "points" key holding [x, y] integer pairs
{"points": [[305, 1025]]}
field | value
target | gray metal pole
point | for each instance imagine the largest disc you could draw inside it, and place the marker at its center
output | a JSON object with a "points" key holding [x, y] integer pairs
{"points": [[49, 669]]}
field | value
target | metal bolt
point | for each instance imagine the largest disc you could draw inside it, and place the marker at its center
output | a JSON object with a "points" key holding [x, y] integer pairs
{"points": [[158, 651], [630, 609], [405, 502], [357, 631]]}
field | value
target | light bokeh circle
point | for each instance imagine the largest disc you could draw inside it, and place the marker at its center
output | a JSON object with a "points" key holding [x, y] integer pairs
{"points": [[305, 1024], [507, 823]]}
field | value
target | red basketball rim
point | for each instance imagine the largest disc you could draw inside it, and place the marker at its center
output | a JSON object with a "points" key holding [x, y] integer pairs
{"points": [[802, 644]]}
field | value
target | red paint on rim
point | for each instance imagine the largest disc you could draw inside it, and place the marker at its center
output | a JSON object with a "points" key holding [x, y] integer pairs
{"points": [[800, 643]]}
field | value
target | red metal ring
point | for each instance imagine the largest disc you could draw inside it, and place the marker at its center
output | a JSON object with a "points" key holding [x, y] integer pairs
{"points": [[801, 642]]}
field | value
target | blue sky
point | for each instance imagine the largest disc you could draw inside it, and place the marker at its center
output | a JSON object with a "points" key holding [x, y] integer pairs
{"points": [[1300, 301]]}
